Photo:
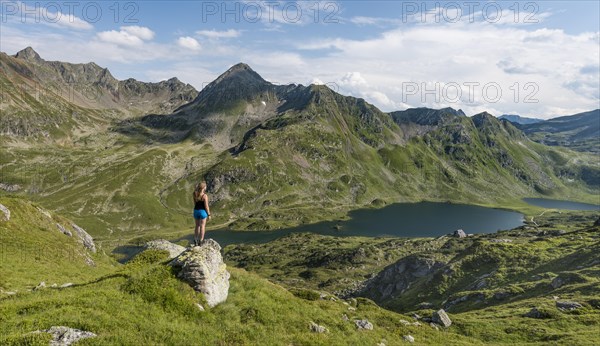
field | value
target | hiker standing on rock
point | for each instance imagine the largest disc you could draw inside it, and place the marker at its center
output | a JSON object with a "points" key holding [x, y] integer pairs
{"points": [[201, 212]]}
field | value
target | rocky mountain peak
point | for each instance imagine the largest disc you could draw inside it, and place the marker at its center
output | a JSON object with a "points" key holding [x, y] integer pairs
{"points": [[239, 82], [483, 119], [28, 54], [240, 73]]}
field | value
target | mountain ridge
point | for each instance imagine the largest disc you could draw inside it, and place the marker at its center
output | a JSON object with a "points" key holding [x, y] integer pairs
{"points": [[53, 98], [579, 131], [514, 118]]}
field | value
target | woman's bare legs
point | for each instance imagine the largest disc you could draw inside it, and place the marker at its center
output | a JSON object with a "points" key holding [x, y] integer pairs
{"points": [[202, 229], [197, 230]]}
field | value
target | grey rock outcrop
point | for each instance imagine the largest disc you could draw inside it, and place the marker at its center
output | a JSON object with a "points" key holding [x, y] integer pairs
{"points": [[162, 244], [203, 268], [363, 324], [10, 187], [63, 230], [536, 313], [6, 212], [85, 238], [398, 277], [557, 282], [441, 317], [568, 306], [64, 336]]}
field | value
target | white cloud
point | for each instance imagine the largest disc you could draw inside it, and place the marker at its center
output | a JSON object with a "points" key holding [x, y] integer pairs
{"points": [[127, 36], [377, 21], [317, 81], [215, 34], [139, 31], [188, 42], [536, 70]]}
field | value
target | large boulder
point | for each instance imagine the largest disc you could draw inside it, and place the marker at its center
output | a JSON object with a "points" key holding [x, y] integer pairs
{"points": [[161, 244], [459, 233], [203, 268], [441, 317]]}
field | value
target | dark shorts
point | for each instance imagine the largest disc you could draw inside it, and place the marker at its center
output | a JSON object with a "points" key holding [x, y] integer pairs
{"points": [[200, 214]]}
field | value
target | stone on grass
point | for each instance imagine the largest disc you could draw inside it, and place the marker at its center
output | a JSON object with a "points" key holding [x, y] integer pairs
{"points": [[536, 313], [40, 286], [64, 336], [203, 268], [568, 306], [315, 328], [363, 324], [408, 338], [162, 244], [441, 317], [6, 212]]}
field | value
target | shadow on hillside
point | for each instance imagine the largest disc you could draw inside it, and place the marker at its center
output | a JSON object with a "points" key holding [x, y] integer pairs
{"points": [[164, 129], [125, 253]]}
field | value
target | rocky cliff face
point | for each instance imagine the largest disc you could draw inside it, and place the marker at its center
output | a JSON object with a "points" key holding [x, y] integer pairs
{"points": [[399, 277]]}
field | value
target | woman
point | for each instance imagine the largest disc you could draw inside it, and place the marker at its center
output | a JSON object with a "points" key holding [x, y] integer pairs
{"points": [[201, 212]]}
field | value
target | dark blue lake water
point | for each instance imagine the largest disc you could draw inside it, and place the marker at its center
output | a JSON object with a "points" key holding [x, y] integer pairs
{"points": [[424, 219], [558, 204]]}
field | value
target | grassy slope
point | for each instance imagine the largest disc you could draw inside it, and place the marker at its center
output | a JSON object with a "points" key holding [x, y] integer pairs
{"points": [[520, 273], [32, 249], [143, 302]]}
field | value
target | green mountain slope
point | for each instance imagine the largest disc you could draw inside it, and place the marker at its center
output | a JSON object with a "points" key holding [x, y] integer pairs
{"points": [[272, 155], [58, 99], [579, 132], [335, 150]]}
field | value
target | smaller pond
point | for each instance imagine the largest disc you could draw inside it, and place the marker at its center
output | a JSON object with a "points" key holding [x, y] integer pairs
{"points": [[559, 204]]}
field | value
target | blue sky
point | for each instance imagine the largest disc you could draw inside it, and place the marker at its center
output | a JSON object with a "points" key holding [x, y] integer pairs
{"points": [[538, 59]]}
